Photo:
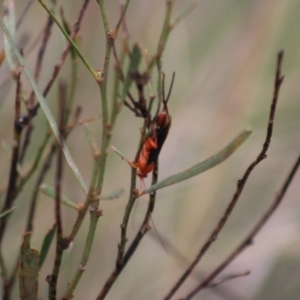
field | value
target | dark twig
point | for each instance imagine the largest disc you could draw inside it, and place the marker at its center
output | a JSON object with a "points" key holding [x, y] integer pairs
{"points": [[13, 177], [120, 265], [248, 241], [228, 277], [60, 243], [240, 185], [12, 185], [40, 56]]}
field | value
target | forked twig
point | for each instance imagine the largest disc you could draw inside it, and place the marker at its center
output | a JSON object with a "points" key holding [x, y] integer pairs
{"points": [[250, 237], [124, 259], [240, 185]]}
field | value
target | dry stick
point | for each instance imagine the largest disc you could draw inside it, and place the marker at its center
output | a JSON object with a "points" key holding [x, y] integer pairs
{"points": [[13, 176], [40, 57], [240, 185], [61, 243], [248, 241], [228, 277], [120, 265]]}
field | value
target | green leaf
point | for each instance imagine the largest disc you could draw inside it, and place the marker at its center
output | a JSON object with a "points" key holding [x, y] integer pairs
{"points": [[133, 66], [10, 22], [46, 110], [28, 270], [46, 245], [7, 212], [48, 191], [202, 166]]}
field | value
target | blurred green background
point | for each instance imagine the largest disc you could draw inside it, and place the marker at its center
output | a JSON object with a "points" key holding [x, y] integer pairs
{"points": [[224, 55]]}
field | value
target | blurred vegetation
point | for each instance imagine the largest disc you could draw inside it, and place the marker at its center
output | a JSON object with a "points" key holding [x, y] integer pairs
{"points": [[224, 56]]}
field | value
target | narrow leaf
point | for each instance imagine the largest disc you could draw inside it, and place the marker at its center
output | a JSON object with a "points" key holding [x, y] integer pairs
{"points": [[46, 245], [133, 66], [202, 166], [46, 110], [10, 22], [7, 212], [28, 270], [48, 191]]}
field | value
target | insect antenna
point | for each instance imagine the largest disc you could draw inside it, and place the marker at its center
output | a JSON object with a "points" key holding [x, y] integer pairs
{"points": [[156, 231], [170, 89], [164, 99]]}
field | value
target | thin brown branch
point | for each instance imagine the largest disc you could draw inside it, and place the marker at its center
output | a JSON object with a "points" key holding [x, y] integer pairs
{"points": [[240, 185], [227, 278], [40, 56], [62, 98], [60, 242], [248, 241], [123, 260], [13, 176]]}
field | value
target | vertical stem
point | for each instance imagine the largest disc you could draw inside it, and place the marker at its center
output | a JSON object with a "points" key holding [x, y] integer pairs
{"points": [[135, 243], [13, 178], [60, 245]]}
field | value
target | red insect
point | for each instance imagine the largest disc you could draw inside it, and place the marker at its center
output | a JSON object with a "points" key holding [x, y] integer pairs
{"points": [[159, 129]]}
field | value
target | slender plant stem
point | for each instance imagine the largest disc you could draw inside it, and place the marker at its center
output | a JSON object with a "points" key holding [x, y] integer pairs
{"points": [[40, 56], [120, 265], [58, 184], [13, 176], [121, 17], [96, 185], [241, 183], [156, 59]]}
